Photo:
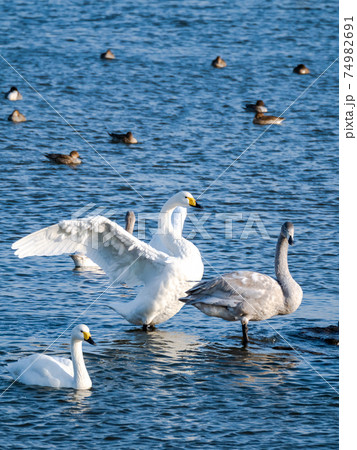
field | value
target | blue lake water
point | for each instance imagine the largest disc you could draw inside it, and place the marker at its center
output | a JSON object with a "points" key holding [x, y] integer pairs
{"points": [[190, 383]]}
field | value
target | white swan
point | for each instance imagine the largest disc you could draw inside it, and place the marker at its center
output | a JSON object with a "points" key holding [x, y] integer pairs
{"points": [[83, 262], [252, 296], [53, 371], [166, 275], [157, 242]]}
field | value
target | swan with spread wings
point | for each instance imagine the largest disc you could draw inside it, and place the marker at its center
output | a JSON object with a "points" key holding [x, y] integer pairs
{"points": [[165, 270]]}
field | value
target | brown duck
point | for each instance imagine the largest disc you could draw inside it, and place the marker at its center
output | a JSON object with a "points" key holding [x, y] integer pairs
{"points": [[71, 159], [107, 55], [258, 107], [261, 119], [219, 63], [301, 69], [16, 116], [127, 138]]}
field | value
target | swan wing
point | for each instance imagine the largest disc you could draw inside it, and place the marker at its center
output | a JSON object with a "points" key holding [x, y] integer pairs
{"points": [[121, 255], [232, 289], [65, 363], [238, 294], [43, 370]]}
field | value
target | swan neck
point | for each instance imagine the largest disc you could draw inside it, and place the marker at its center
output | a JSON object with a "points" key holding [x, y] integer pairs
{"points": [[291, 290], [81, 377], [281, 260], [165, 224], [177, 220], [129, 222]]}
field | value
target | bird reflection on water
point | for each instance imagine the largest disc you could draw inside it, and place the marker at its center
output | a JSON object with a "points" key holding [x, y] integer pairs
{"points": [[190, 359], [77, 401]]}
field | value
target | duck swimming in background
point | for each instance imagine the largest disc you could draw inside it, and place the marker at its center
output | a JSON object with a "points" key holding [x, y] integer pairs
{"points": [[71, 159], [127, 138], [301, 69], [258, 107], [13, 94], [165, 276], [261, 119], [16, 116], [83, 262], [107, 55], [219, 63], [54, 371], [246, 296]]}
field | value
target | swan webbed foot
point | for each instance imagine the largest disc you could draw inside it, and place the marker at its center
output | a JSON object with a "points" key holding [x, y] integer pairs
{"points": [[245, 333]]}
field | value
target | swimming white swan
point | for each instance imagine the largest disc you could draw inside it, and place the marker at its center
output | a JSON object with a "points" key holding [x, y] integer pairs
{"points": [[83, 262], [165, 275], [53, 371], [252, 296]]}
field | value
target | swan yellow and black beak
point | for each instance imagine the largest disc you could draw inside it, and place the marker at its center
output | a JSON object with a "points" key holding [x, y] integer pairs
{"points": [[88, 338], [192, 202], [291, 240]]}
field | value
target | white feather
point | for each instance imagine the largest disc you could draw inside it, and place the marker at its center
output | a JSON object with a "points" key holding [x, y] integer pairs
{"points": [[166, 271]]}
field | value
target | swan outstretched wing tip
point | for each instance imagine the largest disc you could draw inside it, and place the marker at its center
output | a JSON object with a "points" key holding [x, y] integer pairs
{"points": [[18, 251], [121, 255]]}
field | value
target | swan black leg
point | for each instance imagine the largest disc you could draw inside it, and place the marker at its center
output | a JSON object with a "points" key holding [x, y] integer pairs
{"points": [[147, 327], [245, 333]]}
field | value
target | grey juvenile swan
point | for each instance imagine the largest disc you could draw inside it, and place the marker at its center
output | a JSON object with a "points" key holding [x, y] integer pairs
{"points": [[249, 296]]}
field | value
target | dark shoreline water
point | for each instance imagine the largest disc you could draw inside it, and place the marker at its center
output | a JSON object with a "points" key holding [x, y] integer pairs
{"points": [[190, 383]]}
